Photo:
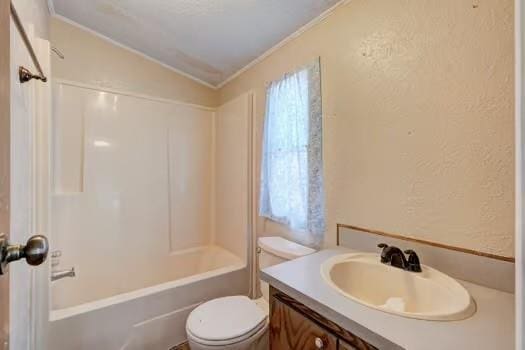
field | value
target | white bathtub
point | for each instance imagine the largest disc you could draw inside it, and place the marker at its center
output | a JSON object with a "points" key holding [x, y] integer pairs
{"points": [[142, 313]]}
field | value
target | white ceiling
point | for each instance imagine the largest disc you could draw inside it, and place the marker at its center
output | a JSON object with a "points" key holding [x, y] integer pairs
{"points": [[206, 39]]}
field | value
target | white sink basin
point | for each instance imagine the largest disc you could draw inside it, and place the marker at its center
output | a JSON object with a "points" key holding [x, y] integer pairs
{"points": [[427, 295]]}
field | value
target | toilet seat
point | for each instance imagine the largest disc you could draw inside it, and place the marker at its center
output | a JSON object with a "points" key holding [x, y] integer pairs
{"points": [[225, 321]]}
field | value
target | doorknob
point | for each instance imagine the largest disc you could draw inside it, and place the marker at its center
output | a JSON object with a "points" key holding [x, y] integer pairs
{"points": [[35, 251]]}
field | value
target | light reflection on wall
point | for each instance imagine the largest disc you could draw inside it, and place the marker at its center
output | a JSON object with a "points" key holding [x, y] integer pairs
{"points": [[101, 143]]}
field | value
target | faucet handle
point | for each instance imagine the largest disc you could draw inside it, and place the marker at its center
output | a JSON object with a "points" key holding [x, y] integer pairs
{"points": [[56, 275], [384, 247], [413, 261]]}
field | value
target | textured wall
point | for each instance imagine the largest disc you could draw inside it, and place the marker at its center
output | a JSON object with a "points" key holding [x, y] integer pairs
{"points": [[231, 159], [418, 105], [92, 60]]}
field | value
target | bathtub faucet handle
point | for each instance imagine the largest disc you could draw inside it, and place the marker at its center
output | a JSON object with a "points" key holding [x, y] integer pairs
{"points": [[57, 275]]}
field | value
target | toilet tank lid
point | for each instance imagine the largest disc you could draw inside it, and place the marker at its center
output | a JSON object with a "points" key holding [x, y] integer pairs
{"points": [[284, 248]]}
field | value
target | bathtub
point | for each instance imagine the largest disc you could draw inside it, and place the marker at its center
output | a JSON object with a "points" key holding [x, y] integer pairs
{"points": [[143, 313]]}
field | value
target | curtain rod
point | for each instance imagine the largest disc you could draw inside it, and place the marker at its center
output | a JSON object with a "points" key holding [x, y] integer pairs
{"points": [[24, 74]]}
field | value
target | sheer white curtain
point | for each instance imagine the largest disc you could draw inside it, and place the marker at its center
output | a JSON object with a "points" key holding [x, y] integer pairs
{"points": [[292, 165]]}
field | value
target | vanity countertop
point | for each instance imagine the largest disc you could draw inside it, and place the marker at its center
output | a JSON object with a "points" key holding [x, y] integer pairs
{"points": [[491, 327]]}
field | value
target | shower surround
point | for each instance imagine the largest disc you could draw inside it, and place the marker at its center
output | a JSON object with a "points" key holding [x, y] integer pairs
{"points": [[147, 204]]}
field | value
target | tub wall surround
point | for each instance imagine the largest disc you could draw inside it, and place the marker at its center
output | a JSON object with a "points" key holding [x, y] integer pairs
{"points": [[116, 192], [418, 139]]}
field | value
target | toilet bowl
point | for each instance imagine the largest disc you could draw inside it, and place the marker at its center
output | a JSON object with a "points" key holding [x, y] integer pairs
{"points": [[234, 322], [238, 322]]}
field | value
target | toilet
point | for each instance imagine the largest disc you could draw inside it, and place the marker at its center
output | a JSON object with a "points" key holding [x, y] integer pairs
{"points": [[238, 322]]}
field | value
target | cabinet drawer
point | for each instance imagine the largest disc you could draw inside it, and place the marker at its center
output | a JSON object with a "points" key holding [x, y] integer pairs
{"points": [[289, 330]]}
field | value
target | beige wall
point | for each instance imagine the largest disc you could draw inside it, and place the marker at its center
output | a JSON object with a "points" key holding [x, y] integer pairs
{"points": [[92, 60], [231, 145], [418, 106]]}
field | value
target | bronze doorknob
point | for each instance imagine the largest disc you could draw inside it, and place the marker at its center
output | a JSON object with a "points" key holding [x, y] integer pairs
{"points": [[34, 251]]}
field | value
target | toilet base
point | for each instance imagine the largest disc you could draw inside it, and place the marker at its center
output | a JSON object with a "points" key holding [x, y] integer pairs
{"points": [[259, 341]]}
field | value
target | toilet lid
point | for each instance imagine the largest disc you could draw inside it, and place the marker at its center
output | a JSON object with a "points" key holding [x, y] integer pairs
{"points": [[225, 318]]}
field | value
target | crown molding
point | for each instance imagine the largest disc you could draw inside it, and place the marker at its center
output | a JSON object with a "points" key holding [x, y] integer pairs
{"points": [[137, 52], [285, 41]]}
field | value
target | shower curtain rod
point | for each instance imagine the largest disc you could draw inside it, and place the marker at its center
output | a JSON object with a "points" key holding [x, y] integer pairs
{"points": [[23, 73]]}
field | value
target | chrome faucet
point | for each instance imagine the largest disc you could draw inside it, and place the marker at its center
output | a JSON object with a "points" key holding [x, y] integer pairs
{"points": [[56, 275], [394, 256]]}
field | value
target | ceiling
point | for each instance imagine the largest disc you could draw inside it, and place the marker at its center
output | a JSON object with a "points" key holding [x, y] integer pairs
{"points": [[209, 40]]}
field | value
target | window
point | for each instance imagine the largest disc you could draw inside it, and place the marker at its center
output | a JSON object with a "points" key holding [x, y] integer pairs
{"points": [[292, 168]]}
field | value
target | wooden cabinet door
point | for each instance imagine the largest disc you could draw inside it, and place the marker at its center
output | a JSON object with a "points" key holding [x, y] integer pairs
{"points": [[346, 346], [289, 330]]}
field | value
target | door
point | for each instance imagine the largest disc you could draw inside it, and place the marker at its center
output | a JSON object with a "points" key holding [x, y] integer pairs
{"points": [[519, 123], [18, 190], [4, 158]]}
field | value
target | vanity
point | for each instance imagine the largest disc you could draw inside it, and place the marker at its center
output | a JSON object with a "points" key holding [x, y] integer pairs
{"points": [[309, 312], [295, 326]]}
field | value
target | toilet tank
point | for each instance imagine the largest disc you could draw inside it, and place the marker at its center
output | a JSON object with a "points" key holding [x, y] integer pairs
{"points": [[275, 250]]}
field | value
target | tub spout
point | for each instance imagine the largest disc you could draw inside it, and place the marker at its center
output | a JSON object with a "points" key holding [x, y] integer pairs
{"points": [[56, 275]]}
